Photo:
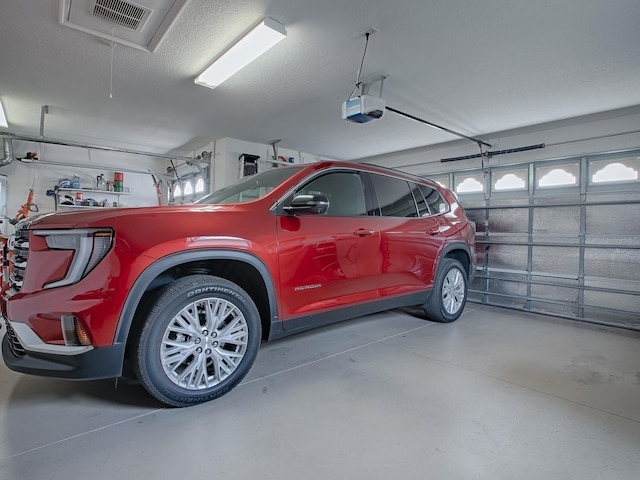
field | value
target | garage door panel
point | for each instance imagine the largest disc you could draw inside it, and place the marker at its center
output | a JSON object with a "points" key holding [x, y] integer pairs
{"points": [[556, 309], [556, 293], [558, 299], [511, 220], [556, 260], [507, 293], [557, 220], [511, 257], [616, 220], [614, 301], [614, 263]]}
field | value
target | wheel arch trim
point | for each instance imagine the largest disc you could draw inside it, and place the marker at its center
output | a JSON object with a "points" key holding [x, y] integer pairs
{"points": [[156, 268], [464, 247]]}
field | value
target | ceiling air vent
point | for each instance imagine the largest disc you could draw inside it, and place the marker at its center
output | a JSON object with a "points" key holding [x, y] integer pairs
{"points": [[139, 25], [123, 14]]}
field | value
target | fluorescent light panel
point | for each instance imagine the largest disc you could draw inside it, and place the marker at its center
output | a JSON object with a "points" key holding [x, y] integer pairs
{"points": [[260, 39], [3, 117]]}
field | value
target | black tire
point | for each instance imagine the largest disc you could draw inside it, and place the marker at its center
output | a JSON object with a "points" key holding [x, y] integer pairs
{"points": [[184, 359], [449, 294]]}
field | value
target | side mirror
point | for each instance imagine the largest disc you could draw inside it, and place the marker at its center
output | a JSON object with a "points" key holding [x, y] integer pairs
{"points": [[316, 203]]}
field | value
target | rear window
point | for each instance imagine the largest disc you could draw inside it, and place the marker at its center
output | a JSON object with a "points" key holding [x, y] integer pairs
{"points": [[434, 199], [394, 197]]}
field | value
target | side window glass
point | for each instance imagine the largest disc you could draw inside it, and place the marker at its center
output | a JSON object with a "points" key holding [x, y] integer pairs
{"points": [[423, 208], [434, 200], [394, 196], [344, 191]]}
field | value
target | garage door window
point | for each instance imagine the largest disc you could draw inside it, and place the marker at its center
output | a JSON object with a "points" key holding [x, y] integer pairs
{"points": [[468, 184], [187, 188], [509, 180], [555, 176], [621, 170]]}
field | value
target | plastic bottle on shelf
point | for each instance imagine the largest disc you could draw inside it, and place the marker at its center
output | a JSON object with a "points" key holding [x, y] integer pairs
{"points": [[101, 183]]}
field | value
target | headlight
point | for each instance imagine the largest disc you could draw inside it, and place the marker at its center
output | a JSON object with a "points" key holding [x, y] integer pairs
{"points": [[89, 246]]}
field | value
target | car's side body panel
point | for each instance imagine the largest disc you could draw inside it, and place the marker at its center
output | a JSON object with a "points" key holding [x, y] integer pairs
{"points": [[372, 249]]}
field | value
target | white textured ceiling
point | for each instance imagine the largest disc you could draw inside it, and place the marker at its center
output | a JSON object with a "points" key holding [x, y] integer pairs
{"points": [[475, 66]]}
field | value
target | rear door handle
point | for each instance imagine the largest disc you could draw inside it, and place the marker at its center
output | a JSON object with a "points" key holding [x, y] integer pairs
{"points": [[433, 231], [363, 232]]}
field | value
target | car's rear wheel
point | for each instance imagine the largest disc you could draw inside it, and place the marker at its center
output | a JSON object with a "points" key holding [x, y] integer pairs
{"points": [[198, 340], [449, 293]]}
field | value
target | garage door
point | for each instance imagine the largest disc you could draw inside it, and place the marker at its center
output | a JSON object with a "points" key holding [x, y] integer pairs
{"points": [[559, 237]]}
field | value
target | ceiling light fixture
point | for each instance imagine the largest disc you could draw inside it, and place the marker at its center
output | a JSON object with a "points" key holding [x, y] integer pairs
{"points": [[3, 117], [260, 39]]}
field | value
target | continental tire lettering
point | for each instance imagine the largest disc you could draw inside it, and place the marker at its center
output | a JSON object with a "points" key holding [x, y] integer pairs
{"points": [[198, 291]]}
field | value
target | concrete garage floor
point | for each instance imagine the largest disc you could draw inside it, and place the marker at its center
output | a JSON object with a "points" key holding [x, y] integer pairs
{"points": [[496, 395]]}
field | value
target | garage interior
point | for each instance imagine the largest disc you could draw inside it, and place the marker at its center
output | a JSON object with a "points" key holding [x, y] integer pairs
{"points": [[533, 119]]}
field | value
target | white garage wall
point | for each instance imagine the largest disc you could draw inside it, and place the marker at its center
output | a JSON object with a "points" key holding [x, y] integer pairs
{"points": [[40, 176], [226, 162], [610, 131]]}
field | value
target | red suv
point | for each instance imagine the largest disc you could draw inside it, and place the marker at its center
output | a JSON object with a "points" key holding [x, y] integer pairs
{"points": [[186, 293]]}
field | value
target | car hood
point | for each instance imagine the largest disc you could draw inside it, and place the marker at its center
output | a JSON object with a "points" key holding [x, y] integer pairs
{"points": [[104, 216]]}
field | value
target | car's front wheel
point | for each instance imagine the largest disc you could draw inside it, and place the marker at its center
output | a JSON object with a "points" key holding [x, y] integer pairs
{"points": [[449, 293], [198, 340]]}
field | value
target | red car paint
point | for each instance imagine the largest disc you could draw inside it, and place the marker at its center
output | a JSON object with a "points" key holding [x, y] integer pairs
{"points": [[315, 264]]}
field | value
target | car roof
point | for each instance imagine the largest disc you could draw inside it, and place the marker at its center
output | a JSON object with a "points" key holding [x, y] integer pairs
{"points": [[372, 168]]}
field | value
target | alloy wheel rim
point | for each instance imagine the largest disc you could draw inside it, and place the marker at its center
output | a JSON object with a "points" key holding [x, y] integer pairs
{"points": [[453, 291], [204, 343]]}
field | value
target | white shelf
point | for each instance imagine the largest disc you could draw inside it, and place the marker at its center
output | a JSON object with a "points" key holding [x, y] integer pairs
{"points": [[89, 190], [62, 205], [92, 193]]}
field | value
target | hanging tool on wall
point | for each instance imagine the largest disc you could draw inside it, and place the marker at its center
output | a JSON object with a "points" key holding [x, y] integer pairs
{"points": [[275, 157], [156, 183], [28, 206]]}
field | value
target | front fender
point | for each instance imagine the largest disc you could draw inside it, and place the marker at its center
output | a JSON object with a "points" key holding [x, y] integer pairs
{"points": [[146, 278]]}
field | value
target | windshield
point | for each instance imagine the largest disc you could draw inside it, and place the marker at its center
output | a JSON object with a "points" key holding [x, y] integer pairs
{"points": [[250, 188]]}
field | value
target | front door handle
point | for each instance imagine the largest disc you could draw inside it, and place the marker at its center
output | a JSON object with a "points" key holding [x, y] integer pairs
{"points": [[433, 231], [363, 232]]}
